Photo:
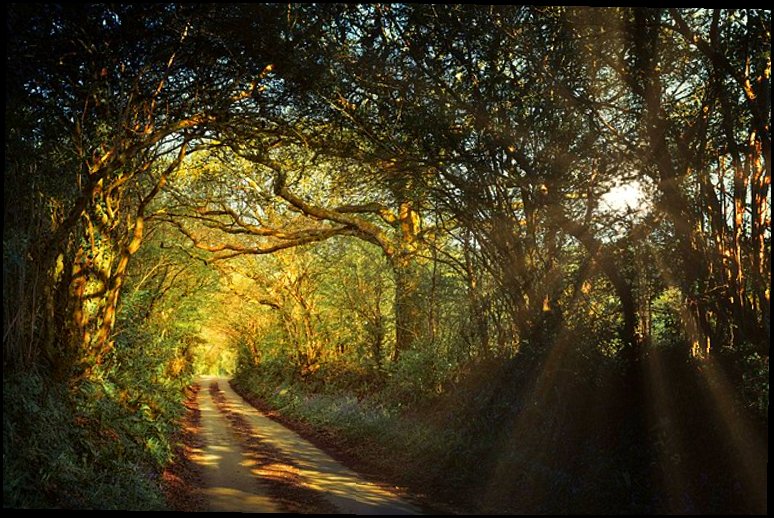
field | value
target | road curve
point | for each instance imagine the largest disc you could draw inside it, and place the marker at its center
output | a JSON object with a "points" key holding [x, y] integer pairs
{"points": [[232, 479]]}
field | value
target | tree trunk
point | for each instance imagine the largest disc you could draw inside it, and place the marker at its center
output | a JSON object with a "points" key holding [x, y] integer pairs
{"points": [[760, 221], [103, 344], [410, 326], [476, 303], [408, 303], [623, 287]]}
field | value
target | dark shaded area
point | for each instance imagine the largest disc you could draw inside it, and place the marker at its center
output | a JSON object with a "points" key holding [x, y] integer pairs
{"points": [[584, 435], [604, 446]]}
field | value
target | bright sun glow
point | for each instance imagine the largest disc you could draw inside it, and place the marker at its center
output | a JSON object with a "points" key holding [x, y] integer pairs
{"points": [[628, 197]]}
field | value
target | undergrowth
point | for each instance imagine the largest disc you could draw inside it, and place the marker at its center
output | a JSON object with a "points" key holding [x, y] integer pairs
{"points": [[86, 450], [517, 436]]}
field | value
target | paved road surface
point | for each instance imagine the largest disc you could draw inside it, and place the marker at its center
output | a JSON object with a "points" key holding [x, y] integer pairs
{"points": [[231, 483]]}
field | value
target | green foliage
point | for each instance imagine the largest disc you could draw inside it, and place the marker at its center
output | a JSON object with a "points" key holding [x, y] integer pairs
{"points": [[755, 384], [452, 172], [375, 428], [417, 377], [102, 441], [668, 328], [469, 442], [79, 451]]}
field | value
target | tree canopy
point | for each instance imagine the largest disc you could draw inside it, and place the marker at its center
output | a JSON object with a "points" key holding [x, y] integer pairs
{"points": [[372, 185]]}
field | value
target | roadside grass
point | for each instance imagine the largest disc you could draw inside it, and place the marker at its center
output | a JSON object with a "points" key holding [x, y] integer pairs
{"points": [[390, 442], [508, 436]]}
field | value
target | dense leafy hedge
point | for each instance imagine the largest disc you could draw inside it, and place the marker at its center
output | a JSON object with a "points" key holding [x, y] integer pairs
{"points": [[80, 451], [101, 440]]}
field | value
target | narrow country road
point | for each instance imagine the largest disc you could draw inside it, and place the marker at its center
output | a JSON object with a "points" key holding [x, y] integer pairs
{"points": [[252, 464]]}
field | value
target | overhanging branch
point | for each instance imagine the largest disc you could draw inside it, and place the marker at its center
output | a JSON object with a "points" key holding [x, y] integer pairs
{"points": [[230, 250]]}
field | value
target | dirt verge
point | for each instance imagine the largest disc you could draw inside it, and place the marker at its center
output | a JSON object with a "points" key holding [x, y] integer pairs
{"points": [[181, 480]]}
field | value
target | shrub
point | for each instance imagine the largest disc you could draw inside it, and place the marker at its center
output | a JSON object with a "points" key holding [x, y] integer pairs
{"points": [[60, 452]]}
